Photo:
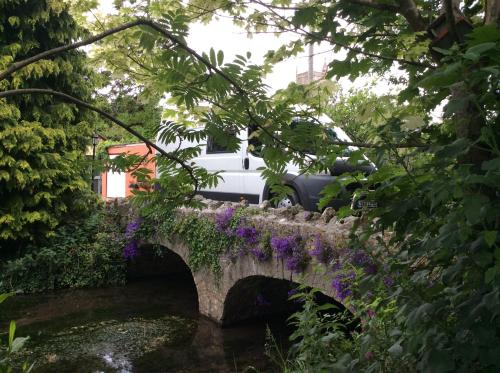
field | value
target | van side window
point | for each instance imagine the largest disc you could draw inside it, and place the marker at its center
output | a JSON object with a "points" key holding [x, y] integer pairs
{"points": [[214, 147]]}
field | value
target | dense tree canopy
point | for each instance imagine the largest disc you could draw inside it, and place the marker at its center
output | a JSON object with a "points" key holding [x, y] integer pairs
{"points": [[439, 199], [42, 140]]}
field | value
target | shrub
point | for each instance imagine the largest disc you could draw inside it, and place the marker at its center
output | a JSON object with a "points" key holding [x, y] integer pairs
{"points": [[85, 253]]}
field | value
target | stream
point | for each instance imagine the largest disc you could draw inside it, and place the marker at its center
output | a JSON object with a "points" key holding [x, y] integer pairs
{"points": [[146, 326]]}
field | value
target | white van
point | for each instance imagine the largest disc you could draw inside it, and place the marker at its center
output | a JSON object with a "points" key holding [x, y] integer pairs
{"points": [[242, 179]]}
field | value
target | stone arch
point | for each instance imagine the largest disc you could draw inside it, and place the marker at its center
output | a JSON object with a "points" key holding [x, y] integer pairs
{"points": [[213, 291], [258, 296], [154, 260], [246, 273], [210, 301]]}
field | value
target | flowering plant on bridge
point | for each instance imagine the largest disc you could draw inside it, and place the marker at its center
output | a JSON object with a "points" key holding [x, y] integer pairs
{"points": [[292, 250], [342, 284], [351, 265], [131, 233], [250, 235], [263, 251], [321, 251], [223, 220]]}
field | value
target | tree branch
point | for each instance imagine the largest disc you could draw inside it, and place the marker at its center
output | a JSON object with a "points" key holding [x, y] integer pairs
{"points": [[346, 46], [239, 89], [51, 52], [450, 19], [157, 27], [375, 5], [410, 11], [78, 102]]}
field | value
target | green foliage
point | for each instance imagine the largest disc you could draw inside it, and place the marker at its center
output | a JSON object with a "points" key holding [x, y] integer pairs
{"points": [[83, 253], [320, 343], [439, 200], [14, 344], [441, 209], [443, 213], [130, 104], [43, 174], [206, 243]]}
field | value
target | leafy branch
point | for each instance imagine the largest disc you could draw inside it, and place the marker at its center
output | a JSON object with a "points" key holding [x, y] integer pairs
{"points": [[240, 90], [150, 144], [357, 50]]}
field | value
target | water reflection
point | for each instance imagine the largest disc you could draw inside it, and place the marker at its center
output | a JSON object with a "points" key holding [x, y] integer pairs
{"points": [[147, 326]]}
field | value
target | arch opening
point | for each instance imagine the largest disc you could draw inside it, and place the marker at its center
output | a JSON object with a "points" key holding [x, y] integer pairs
{"points": [[159, 263], [261, 297]]}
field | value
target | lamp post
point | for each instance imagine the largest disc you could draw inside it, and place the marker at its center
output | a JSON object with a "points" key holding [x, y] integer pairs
{"points": [[95, 141]]}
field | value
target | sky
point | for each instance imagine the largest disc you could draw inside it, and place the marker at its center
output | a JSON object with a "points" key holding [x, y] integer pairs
{"points": [[222, 34]]}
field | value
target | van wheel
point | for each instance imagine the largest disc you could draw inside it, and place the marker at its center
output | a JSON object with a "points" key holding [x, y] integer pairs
{"points": [[288, 201]]}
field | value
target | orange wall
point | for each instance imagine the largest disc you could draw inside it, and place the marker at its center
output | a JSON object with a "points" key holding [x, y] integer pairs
{"points": [[138, 149]]}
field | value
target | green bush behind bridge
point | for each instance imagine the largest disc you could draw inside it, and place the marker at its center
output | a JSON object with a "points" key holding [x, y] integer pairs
{"points": [[83, 253]]}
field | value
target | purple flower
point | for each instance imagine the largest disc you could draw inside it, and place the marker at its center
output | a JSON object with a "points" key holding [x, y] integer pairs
{"points": [[370, 313], [341, 284], [360, 258], [130, 250], [363, 260], [388, 281], [283, 246], [249, 234], [291, 249], [132, 227], [336, 265], [223, 219], [260, 301], [298, 261], [322, 253], [259, 254], [293, 264]]}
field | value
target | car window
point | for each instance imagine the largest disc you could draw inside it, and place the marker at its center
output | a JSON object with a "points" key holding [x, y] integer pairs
{"points": [[214, 147]]}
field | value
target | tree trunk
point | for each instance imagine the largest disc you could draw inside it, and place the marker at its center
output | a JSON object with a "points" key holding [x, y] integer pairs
{"points": [[492, 13]]}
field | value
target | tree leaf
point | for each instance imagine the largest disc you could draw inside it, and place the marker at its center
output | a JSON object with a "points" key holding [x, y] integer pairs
{"points": [[490, 237], [490, 274], [213, 59], [395, 350], [12, 332], [5, 296], [473, 205], [481, 48], [18, 343], [413, 122], [220, 57]]}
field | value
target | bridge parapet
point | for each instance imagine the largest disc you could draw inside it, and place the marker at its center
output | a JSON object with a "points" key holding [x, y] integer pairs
{"points": [[233, 249]]}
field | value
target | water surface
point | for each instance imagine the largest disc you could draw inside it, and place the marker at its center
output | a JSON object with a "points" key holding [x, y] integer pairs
{"points": [[146, 326]]}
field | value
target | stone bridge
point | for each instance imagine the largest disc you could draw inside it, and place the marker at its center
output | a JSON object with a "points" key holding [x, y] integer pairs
{"points": [[248, 287]]}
